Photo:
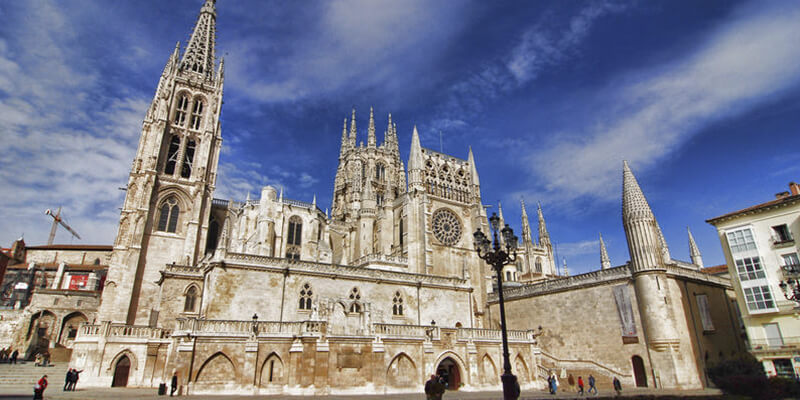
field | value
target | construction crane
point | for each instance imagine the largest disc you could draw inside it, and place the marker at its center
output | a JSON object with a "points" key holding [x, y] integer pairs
{"points": [[56, 221]]}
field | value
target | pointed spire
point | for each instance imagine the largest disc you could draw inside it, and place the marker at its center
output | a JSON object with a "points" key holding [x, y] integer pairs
{"points": [[247, 199], [280, 198], [415, 155], [694, 251], [371, 130], [544, 236], [646, 244], [527, 237], [353, 132], [665, 257], [199, 54], [565, 271], [473, 168], [605, 262], [344, 145], [634, 204]]}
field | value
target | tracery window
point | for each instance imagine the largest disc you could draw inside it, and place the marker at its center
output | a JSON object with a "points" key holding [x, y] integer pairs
{"points": [[380, 172], [190, 299], [538, 264], [197, 114], [168, 218], [293, 238], [397, 304], [188, 158], [305, 297], [355, 296], [172, 155], [182, 106]]}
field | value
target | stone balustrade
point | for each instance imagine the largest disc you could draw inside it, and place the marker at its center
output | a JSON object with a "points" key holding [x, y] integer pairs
{"points": [[247, 327], [122, 331], [495, 334], [405, 331], [393, 260]]}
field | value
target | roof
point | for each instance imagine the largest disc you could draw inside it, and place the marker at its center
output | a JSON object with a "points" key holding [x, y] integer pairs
{"points": [[717, 269], [95, 247], [782, 202]]}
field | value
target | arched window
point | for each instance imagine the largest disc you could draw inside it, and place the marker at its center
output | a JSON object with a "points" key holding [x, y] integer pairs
{"points": [[182, 106], [305, 297], [213, 235], [397, 304], [190, 299], [188, 158], [538, 265], [294, 237], [508, 276], [172, 155], [380, 172], [197, 114], [168, 218], [355, 308]]}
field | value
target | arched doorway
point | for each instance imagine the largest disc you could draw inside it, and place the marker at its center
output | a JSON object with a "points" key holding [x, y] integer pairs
{"points": [[449, 370], [121, 372], [639, 372]]}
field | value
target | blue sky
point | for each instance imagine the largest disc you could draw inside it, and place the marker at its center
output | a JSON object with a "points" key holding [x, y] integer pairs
{"points": [[703, 99]]}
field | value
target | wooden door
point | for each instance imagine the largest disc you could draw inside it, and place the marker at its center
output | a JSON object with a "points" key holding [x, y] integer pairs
{"points": [[121, 372]]}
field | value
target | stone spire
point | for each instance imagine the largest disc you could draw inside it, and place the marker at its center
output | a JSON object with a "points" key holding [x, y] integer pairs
{"points": [[605, 262], [388, 135], [694, 251], [641, 229], [371, 130], [565, 271], [473, 168], [415, 162], [353, 132], [544, 237], [502, 223], [527, 237], [199, 54], [666, 258], [345, 143]]}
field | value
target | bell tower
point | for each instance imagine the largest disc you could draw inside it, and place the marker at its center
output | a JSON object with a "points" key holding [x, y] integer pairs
{"points": [[165, 215]]}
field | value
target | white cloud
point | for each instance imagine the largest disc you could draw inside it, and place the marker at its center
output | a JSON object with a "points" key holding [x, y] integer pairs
{"points": [[579, 248], [747, 60]]}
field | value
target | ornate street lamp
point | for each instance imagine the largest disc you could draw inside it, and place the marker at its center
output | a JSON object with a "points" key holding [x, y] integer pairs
{"points": [[497, 257]]}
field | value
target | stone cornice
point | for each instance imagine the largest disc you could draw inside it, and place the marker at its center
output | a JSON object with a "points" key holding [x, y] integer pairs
{"points": [[342, 271]]}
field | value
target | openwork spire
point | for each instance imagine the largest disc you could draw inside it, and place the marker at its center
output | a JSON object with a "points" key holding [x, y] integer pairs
{"points": [[371, 130], [527, 237], [634, 204], [199, 54], [353, 131], [544, 237], [605, 261], [694, 251]]}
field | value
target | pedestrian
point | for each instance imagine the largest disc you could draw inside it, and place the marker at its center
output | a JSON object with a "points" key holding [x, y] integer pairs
{"points": [[617, 386], [3, 354], [555, 384], [68, 380], [592, 385], [580, 385], [174, 386], [14, 356], [75, 376], [434, 388], [571, 382], [38, 389]]}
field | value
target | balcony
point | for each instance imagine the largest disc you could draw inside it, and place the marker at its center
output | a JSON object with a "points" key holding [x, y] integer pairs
{"points": [[791, 269], [772, 344]]}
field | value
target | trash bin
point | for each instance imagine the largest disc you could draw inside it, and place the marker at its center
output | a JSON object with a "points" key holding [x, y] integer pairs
{"points": [[162, 389]]}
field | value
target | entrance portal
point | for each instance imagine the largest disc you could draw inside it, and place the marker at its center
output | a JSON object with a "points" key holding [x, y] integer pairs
{"points": [[639, 372], [448, 369], [121, 372]]}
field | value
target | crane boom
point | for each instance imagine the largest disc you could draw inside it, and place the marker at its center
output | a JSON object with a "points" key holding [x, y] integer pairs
{"points": [[57, 220]]}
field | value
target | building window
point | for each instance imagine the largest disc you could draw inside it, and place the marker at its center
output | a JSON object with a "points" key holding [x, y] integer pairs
{"points": [[355, 308], [380, 172], [197, 114], [401, 233], [758, 298], [781, 233], [190, 299], [397, 304], [294, 234], [749, 268], [168, 218], [379, 199], [773, 334], [741, 240], [305, 297], [538, 265], [180, 114], [172, 155], [705, 313], [355, 294], [188, 158], [791, 263]]}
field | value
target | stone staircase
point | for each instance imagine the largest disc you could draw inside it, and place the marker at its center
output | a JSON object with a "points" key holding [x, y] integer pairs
{"points": [[20, 377]]}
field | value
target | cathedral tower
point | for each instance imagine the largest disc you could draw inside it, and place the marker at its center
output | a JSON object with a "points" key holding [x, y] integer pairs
{"points": [[168, 199]]}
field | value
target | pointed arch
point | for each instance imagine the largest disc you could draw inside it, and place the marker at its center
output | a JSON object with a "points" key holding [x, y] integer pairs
{"points": [[124, 353], [190, 297], [217, 369], [69, 326], [402, 371], [488, 370], [521, 369], [272, 371]]}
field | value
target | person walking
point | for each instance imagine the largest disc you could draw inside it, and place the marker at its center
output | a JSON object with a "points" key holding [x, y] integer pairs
{"points": [[38, 390], [14, 356], [555, 384], [592, 385], [174, 385], [617, 386], [68, 380], [571, 383], [580, 385], [75, 376], [434, 388]]}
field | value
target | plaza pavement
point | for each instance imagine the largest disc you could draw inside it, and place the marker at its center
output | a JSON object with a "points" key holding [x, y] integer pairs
{"points": [[55, 392]]}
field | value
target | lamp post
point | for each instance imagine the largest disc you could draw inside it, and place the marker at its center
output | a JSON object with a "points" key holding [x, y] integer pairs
{"points": [[496, 256]]}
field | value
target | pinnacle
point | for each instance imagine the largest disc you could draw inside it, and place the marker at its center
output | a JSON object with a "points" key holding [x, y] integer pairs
{"points": [[634, 204]]}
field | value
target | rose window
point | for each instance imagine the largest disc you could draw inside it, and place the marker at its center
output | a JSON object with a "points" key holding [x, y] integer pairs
{"points": [[446, 227]]}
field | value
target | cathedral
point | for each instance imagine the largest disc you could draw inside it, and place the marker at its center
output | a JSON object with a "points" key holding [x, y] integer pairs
{"points": [[275, 295]]}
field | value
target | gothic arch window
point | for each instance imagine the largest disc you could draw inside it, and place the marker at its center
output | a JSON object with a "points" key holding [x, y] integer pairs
{"points": [[172, 155], [380, 172], [305, 297], [213, 235], [197, 114], [355, 296], [188, 158], [355, 308], [168, 216], [181, 107], [294, 237], [190, 299], [538, 264], [397, 304]]}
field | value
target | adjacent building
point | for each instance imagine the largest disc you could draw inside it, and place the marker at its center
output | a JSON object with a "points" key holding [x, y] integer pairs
{"points": [[761, 252]]}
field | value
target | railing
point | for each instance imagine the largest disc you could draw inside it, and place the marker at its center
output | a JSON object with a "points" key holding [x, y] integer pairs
{"points": [[299, 203], [775, 343], [89, 330], [791, 268], [122, 331], [494, 334], [183, 269], [399, 330], [381, 258], [238, 327], [582, 364], [565, 283]]}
